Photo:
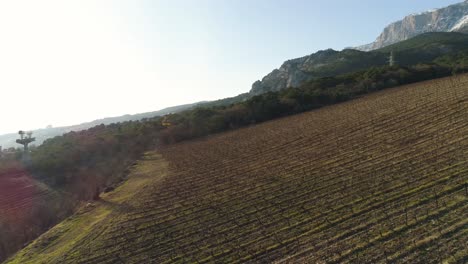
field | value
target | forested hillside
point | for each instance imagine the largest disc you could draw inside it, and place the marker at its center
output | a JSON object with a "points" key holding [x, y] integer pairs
{"points": [[424, 48]]}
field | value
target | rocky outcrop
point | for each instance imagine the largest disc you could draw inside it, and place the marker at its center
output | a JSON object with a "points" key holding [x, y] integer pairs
{"points": [[320, 64], [453, 18], [290, 74]]}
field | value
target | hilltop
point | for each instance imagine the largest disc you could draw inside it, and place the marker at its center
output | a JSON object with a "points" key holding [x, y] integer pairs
{"points": [[378, 179]]}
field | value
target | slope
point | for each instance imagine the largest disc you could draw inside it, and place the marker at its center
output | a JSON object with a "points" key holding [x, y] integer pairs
{"points": [[26, 202], [379, 179], [50, 247]]}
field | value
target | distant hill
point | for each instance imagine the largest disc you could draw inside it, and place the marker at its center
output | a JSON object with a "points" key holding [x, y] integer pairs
{"points": [[8, 140], [423, 48], [453, 18]]}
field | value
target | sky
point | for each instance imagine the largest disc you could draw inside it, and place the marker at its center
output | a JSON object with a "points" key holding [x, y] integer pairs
{"points": [[65, 62]]}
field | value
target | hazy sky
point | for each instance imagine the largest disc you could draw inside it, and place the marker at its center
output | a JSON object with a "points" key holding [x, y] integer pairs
{"points": [[65, 62]]}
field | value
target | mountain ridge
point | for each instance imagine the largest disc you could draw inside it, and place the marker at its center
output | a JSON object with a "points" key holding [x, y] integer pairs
{"points": [[453, 18], [293, 72], [325, 63]]}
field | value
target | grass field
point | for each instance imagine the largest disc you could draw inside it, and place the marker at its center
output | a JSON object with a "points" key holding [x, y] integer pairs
{"points": [[383, 178]]}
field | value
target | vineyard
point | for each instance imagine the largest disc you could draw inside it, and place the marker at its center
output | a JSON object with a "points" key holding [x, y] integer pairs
{"points": [[380, 179]]}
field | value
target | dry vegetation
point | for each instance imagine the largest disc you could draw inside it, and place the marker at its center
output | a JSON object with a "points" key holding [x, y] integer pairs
{"points": [[383, 178], [27, 206]]}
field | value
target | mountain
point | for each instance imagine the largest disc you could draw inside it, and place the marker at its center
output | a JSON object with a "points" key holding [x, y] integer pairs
{"points": [[423, 48], [320, 64], [453, 18]]}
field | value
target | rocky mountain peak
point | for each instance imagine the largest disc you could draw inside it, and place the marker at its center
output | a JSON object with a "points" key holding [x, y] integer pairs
{"points": [[453, 18]]}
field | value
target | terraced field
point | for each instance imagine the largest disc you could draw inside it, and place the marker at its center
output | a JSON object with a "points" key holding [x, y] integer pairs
{"points": [[381, 179]]}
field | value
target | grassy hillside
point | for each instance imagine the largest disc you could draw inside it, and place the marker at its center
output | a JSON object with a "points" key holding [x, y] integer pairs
{"points": [[379, 179]]}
